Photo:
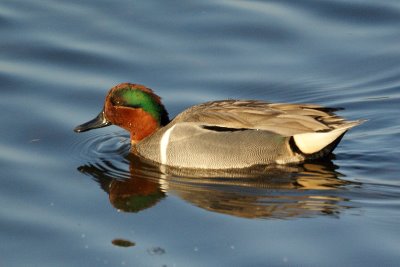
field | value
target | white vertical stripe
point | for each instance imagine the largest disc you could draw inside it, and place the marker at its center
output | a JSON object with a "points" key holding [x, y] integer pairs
{"points": [[164, 145]]}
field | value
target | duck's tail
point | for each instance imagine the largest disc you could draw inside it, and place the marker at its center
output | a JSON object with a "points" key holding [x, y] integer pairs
{"points": [[311, 143]]}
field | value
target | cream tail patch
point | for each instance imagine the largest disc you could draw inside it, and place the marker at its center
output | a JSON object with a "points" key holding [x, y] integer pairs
{"points": [[313, 142]]}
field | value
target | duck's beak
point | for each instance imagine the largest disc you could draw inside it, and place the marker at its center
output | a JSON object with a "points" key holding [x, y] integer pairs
{"points": [[98, 122]]}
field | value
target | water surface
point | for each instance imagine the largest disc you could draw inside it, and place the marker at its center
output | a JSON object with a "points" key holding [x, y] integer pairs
{"points": [[82, 200]]}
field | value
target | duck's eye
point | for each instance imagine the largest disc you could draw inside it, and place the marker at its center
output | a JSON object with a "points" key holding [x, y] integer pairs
{"points": [[116, 101]]}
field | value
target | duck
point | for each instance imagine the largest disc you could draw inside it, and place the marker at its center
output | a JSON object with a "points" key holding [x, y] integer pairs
{"points": [[223, 134]]}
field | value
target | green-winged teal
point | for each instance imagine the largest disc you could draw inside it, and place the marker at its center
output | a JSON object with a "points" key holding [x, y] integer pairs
{"points": [[221, 134]]}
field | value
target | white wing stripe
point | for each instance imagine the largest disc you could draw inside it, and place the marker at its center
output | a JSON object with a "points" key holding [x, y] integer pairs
{"points": [[164, 145]]}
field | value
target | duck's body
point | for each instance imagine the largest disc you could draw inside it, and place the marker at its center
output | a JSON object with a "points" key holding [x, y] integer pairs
{"points": [[223, 134]]}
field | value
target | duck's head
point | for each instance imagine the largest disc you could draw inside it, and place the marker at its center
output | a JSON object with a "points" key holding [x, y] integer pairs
{"points": [[133, 107]]}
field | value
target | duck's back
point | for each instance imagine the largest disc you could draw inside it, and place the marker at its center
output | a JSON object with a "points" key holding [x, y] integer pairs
{"points": [[242, 133]]}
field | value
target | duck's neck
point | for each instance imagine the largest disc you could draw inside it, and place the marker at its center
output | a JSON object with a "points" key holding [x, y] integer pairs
{"points": [[140, 124]]}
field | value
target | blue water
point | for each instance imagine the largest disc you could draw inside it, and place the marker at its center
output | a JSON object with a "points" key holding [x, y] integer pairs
{"points": [[82, 200]]}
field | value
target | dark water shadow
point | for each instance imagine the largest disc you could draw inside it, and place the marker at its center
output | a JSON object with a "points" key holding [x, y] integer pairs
{"points": [[273, 192]]}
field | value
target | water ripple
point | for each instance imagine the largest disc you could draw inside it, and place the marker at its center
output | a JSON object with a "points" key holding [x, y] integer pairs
{"points": [[110, 146]]}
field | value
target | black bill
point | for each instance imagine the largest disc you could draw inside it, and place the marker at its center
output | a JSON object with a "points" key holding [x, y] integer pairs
{"points": [[98, 122]]}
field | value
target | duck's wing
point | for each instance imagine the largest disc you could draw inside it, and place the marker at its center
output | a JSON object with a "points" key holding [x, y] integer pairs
{"points": [[281, 118], [312, 127]]}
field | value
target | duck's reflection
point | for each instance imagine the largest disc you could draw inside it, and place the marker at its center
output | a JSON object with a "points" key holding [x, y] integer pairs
{"points": [[305, 190]]}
